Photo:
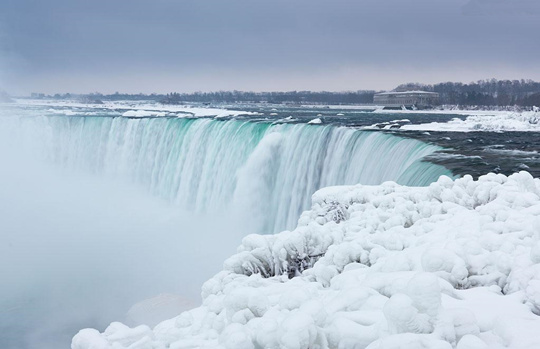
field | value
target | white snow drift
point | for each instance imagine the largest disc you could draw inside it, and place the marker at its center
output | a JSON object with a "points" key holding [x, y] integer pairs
{"points": [[452, 265], [133, 109], [485, 121]]}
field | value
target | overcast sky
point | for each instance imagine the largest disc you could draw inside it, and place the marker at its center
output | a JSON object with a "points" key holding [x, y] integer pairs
{"points": [[189, 45]]}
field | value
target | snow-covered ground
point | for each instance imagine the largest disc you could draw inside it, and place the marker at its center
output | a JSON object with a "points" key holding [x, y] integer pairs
{"points": [[486, 121], [366, 107], [135, 108], [452, 265], [472, 121]]}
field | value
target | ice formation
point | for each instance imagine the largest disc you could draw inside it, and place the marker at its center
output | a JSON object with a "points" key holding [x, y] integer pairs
{"points": [[452, 265], [133, 109], [484, 121], [141, 113]]}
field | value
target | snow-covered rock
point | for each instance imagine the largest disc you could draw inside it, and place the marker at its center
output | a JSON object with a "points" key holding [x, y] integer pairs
{"points": [[452, 265]]}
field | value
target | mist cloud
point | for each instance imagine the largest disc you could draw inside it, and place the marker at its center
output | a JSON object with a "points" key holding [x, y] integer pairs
{"points": [[78, 251]]}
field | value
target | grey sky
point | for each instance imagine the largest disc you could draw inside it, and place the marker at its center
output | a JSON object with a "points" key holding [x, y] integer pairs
{"points": [[189, 45]]}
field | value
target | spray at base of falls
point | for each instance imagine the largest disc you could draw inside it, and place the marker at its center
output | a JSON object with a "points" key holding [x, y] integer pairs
{"points": [[266, 173]]}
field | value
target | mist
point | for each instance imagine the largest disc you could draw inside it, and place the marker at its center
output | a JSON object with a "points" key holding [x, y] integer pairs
{"points": [[79, 250]]}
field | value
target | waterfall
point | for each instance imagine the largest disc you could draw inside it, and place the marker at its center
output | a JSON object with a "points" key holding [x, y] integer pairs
{"points": [[266, 171]]}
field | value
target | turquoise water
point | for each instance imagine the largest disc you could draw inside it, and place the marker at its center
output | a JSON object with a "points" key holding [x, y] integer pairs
{"points": [[266, 172]]}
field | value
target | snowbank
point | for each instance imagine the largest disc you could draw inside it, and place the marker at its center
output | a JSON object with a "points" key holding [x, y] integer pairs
{"points": [[452, 265], [141, 113], [497, 121], [137, 108]]}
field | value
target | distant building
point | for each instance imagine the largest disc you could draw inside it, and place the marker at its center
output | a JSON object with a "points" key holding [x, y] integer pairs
{"points": [[407, 99]]}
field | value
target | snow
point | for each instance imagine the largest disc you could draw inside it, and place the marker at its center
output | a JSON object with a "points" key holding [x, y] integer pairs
{"points": [[407, 93], [365, 107], [486, 121], [140, 113], [288, 119], [452, 265], [315, 121], [472, 121], [526, 121], [135, 108]]}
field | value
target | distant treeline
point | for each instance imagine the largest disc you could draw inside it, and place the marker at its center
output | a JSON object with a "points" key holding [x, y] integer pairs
{"points": [[483, 93], [358, 97], [489, 93], [297, 97], [97, 97]]}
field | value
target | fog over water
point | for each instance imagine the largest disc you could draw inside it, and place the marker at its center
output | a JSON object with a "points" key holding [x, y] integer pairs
{"points": [[79, 250]]}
